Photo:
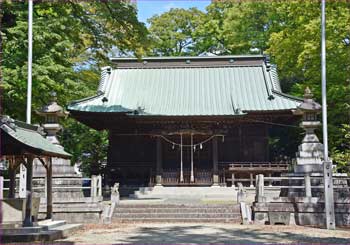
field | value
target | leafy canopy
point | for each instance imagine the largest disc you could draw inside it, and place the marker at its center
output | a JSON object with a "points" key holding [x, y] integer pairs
{"points": [[71, 40]]}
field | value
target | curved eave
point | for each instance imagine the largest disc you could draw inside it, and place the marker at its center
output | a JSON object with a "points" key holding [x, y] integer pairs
{"points": [[30, 147]]}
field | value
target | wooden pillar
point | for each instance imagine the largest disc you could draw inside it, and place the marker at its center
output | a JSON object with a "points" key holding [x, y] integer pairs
{"points": [[49, 209], [240, 144], [192, 174], [181, 161], [28, 222], [215, 162], [159, 167], [12, 176], [267, 148]]}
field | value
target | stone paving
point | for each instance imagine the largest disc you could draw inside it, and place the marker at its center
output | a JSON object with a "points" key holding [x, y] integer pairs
{"points": [[201, 233]]}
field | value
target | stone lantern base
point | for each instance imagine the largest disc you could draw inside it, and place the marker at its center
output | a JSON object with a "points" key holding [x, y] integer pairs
{"points": [[66, 183]]}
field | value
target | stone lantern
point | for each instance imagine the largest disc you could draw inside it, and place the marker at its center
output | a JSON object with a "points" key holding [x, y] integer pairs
{"points": [[52, 112], [63, 173], [310, 152]]}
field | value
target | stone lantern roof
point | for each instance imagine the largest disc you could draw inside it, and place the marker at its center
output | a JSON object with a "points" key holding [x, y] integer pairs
{"points": [[52, 108], [52, 112], [309, 105]]}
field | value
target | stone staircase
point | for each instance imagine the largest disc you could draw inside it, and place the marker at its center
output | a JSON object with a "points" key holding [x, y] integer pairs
{"points": [[45, 231], [183, 192], [219, 213], [79, 210]]}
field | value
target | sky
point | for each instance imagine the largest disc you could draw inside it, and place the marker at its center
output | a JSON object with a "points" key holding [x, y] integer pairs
{"points": [[148, 8]]}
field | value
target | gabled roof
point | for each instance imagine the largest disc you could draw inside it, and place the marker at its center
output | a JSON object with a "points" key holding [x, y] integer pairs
{"points": [[20, 138], [188, 86]]}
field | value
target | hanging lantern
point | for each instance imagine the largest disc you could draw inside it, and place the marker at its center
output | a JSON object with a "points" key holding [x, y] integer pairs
{"points": [[200, 146], [173, 147], [194, 148]]}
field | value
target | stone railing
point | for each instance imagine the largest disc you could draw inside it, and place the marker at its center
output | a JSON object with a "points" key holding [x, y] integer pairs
{"points": [[94, 189]]}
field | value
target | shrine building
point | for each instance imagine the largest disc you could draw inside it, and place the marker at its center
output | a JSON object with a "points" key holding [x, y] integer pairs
{"points": [[183, 121]]}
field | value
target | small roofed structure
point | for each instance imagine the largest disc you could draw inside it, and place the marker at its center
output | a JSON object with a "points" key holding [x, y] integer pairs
{"points": [[21, 143]]}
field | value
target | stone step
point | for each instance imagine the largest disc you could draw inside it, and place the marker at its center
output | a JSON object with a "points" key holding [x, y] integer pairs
{"points": [[182, 220], [43, 236], [177, 210], [50, 224], [169, 205], [48, 231], [22, 230], [68, 229], [176, 215]]}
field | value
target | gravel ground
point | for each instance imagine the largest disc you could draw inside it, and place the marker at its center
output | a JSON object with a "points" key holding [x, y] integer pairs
{"points": [[204, 233]]}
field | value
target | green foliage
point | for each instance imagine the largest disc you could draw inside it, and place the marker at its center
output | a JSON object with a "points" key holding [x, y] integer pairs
{"points": [[342, 156], [87, 146], [71, 40], [296, 50], [171, 32]]}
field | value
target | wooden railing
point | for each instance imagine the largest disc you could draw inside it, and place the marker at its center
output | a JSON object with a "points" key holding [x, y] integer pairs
{"points": [[245, 172], [201, 177], [255, 166]]}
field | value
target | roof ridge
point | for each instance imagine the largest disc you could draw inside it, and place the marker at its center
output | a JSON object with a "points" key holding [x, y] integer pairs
{"points": [[189, 57], [99, 93], [185, 66], [298, 99]]}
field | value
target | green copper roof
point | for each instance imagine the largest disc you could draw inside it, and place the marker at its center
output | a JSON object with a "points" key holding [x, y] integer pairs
{"points": [[30, 138], [198, 90]]}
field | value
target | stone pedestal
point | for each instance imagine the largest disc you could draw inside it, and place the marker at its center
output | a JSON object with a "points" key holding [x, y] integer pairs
{"points": [[66, 184]]}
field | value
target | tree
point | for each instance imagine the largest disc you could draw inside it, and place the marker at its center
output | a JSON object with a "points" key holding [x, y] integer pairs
{"points": [[232, 27], [171, 32], [296, 50], [71, 41]]}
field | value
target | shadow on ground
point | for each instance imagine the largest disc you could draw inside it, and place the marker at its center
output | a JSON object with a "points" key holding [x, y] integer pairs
{"points": [[206, 234], [193, 234]]}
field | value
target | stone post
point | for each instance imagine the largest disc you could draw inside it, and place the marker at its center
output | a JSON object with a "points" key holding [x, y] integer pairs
{"points": [[99, 178], [251, 180], [329, 195], [22, 181], [259, 195], [93, 186], [270, 181], [233, 179]]}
